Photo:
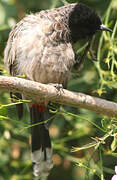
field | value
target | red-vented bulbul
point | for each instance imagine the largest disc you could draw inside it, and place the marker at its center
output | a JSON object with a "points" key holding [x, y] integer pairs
{"points": [[40, 46]]}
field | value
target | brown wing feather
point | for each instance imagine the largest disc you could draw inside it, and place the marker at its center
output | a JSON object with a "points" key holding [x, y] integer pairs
{"points": [[39, 46]]}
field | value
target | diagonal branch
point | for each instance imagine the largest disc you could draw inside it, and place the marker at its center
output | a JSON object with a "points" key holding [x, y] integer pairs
{"points": [[35, 90]]}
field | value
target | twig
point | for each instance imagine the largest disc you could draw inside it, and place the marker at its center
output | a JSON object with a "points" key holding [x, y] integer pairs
{"points": [[37, 91]]}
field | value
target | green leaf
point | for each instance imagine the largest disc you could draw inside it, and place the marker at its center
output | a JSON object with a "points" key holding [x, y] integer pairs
{"points": [[114, 143]]}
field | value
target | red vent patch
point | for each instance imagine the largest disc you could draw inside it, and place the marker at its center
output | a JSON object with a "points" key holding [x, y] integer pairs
{"points": [[41, 108]]}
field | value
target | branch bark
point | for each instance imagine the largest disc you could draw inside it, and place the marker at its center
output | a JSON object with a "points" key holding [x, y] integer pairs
{"points": [[36, 91]]}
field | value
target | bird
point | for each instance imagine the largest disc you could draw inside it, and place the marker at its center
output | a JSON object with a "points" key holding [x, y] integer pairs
{"points": [[40, 46]]}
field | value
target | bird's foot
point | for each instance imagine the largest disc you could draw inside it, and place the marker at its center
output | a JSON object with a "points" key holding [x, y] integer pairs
{"points": [[59, 88]]}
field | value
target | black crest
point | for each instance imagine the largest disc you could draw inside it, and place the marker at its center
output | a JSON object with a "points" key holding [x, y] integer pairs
{"points": [[83, 22]]}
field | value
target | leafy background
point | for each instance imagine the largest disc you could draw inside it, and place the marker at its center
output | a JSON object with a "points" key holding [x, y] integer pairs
{"points": [[84, 143]]}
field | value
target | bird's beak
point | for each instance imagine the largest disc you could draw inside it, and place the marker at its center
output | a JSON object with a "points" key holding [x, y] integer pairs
{"points": [[104, 28]]}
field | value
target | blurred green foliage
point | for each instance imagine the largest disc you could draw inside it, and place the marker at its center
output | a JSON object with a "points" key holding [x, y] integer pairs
{"points": [[84, 143]]}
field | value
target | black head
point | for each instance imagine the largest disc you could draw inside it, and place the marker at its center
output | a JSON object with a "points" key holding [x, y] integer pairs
{"points": [[84, 22]]}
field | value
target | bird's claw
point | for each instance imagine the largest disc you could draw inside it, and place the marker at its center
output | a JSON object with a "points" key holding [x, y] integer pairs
{"points": [[59, 88]]}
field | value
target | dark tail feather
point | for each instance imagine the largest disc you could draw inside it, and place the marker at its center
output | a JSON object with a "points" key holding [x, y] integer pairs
{"points": [[19, 107], [41, 143]]}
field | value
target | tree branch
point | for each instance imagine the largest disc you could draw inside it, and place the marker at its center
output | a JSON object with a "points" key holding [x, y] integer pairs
{"points": [[35, 91]]}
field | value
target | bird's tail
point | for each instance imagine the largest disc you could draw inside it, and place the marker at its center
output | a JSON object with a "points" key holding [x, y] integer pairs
{"points": [[41, 143]]}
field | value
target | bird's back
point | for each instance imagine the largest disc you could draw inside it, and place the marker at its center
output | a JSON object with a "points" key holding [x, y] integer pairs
{"points": [[40, 44]]}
